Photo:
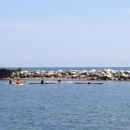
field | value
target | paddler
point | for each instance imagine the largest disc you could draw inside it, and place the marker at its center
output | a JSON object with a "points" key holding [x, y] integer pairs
{"points": [[89, 82], [42, 81], [10, 81], [59, 80], [18, 81]]}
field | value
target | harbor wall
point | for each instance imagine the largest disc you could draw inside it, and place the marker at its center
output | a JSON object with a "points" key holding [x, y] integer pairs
{"points": [[105, 74]]}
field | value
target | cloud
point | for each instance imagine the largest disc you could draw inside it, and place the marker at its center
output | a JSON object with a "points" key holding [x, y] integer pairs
{"points": [[114, 57]]}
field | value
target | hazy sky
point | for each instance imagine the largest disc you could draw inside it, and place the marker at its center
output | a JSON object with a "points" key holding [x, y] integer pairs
{"points": [[65, 33]]}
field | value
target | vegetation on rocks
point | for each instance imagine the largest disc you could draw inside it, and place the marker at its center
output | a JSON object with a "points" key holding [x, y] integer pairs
{"points": [[19, 69], [4, 68]]}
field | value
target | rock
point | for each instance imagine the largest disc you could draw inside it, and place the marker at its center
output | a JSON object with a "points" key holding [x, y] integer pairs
{"points": [[93, 78], [121, 79], [105, 74], [73, 73], [84, 72], [82, 76], [74, 76]]}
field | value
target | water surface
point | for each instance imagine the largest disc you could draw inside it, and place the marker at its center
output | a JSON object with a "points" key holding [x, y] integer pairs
{"points": [[65, 106]]}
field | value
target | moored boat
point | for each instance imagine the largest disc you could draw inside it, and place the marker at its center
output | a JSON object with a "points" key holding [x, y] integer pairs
{"points": [[86, 83], [45, 83]]}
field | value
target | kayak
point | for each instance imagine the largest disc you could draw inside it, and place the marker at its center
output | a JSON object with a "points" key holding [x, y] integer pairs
{"points": [[86, 83], [15, 84], [50, 83], [45, 83]]}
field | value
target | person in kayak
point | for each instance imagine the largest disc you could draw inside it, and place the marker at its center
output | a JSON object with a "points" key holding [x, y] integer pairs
{"points": [[42, 81], [59, 80], [10, 81], [89, 82], [18, 81]]}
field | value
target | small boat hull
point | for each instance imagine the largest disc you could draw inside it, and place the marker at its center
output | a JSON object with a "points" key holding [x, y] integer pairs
{"points": [[15, 84], [45, 83], [86, 83], [80, 83]]}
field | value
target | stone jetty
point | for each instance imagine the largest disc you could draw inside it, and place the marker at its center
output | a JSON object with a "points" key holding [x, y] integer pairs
{"points": [[106, 74]]}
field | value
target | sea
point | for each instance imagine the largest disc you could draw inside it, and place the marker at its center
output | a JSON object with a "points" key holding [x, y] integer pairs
{"points": [[65, 105], [69, 68]]}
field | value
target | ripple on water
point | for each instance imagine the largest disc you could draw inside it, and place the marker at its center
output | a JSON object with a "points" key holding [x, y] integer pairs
{"points": [[55, 107]]}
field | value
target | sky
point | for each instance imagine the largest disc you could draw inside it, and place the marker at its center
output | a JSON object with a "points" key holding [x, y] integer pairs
{"points": [[65, 33]]}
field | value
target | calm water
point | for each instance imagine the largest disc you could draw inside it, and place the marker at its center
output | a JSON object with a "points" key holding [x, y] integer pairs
{"points": [[57, 107], [71, 68]]}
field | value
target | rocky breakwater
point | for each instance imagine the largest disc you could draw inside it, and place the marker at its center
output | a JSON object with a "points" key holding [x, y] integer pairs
{"points": [[105, 74]]}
